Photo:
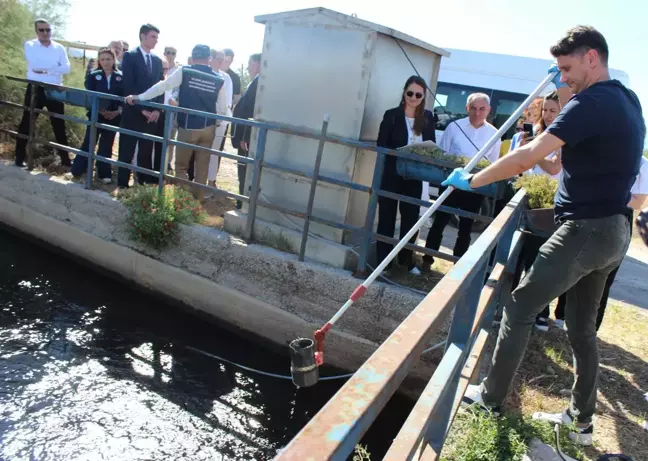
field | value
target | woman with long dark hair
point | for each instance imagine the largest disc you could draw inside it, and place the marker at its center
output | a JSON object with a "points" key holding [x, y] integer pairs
{"points": [[408, 123], [104, 79]]}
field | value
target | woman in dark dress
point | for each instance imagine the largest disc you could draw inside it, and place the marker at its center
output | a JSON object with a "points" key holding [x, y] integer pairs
{"points": [[409, 122], [104, 79]]}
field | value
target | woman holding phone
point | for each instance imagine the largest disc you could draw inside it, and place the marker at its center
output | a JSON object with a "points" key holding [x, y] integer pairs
{"points": [[104, 79]]}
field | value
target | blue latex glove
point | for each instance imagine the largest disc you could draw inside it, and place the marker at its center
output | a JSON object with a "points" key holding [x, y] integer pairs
{"points": [[556, 80], [460, 179]]}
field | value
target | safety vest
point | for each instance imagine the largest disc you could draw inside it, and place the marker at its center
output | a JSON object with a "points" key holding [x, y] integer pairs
{"points": [[198, 91]]}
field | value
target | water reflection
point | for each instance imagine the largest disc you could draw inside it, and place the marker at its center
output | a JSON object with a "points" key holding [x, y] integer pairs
{"points": [[92, 370]]}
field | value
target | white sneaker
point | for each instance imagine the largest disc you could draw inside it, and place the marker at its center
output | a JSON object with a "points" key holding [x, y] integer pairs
{"points": [[542, 324], [106, 181], [581, 436], [415, 271], [473, 396]]}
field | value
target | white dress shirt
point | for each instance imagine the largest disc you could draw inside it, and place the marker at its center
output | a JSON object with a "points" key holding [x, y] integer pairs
{"points": [[455, 142], [52, 58], [174, 81], [229, 91]]}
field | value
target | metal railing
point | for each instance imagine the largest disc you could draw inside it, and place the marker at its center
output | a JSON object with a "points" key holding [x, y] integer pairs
{"points": [[366, 232], [474, 288], [475, 292]]}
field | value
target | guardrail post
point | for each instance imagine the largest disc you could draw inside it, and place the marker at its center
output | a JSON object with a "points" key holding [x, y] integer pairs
{"points": [[256, 183], [460, 332], [94, 114], [313, 187], [32, 126], [168, 116], [371, 215], [504, 243]]}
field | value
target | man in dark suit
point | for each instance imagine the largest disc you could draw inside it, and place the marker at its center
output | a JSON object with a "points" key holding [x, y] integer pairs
{"points": [[141, 70], [245, 109]]}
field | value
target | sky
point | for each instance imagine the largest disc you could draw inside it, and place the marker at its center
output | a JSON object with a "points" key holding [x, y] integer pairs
{"points": [[496, 26]]}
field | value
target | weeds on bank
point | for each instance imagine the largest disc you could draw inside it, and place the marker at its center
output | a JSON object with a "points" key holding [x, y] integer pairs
{"points": [[478, 436], [153, 218]]}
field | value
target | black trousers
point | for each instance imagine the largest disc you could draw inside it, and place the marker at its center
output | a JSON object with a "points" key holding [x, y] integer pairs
{"points": [[127, 146], [58, 125], [242, 171], [463, 200], [387, 209], [528, 255], [105, 139]]}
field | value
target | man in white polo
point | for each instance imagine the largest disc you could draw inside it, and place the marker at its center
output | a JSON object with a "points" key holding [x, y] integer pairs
{"points": [[463, 137], [47, 62]]}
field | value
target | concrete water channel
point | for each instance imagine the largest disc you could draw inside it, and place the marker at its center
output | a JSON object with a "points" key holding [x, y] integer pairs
{"points": [[92, 369]]}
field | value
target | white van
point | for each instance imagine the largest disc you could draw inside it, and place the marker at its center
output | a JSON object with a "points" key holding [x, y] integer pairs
{"points": [[508, 80]]}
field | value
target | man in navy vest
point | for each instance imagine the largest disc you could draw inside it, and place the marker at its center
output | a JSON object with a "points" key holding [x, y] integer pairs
{"points": [[200, 88]]}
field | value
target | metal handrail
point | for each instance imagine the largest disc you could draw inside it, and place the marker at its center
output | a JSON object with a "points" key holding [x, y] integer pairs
{"points": [[257, 164]]}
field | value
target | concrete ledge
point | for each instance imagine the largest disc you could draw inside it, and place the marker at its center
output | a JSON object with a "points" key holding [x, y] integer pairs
{"points": [[289, 240], [255, 288]]}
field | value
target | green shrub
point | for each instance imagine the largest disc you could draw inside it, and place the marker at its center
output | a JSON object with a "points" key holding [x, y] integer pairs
{"points": [[153, 219], [541, 189], [440, 154]]}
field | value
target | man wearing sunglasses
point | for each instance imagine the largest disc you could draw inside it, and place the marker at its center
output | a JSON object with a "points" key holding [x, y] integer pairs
{"points": [[170, 54], [47, 62]]}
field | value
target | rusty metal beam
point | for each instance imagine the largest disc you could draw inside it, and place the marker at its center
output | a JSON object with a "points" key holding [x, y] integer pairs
{"points": [[335, 430]]}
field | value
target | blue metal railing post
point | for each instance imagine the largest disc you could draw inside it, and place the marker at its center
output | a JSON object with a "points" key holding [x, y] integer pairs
{"points": [[256, 183], [371, 214], [168, 123], [504, 244], [460, 335], [313, 187], [94, 115], [32, 126]]}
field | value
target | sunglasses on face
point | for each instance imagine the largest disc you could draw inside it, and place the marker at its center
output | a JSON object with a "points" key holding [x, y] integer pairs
{"points": [[172, 53], [411, 94], [44, 29]]}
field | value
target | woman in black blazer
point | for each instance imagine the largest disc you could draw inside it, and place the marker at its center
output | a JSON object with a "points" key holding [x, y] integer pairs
{"points": [[409, 122], [104, 79]]}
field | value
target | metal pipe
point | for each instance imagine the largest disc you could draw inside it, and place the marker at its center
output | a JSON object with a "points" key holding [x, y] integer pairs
{"points": [[313, 187], [32, 127], [371, 213], [163, 160], [94, 114], [256, 183]]}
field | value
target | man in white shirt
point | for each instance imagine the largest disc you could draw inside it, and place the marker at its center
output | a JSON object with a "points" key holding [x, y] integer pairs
{"points": [[463, 137], [219, 140], [47, 62]]}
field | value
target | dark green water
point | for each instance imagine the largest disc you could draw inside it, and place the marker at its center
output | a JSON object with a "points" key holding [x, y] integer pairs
{"points": [[91, 369]]}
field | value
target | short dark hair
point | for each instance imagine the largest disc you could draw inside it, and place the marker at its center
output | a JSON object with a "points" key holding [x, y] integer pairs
{"points": [[40, 21], [228, 52], [579, 40], [256, 57], [146, 28]]}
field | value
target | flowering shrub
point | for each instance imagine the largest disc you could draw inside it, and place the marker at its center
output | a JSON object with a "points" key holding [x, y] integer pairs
{"points": [[153, 219]]}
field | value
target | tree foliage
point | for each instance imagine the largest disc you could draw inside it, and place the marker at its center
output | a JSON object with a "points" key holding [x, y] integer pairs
{"points": [[54, 11]]}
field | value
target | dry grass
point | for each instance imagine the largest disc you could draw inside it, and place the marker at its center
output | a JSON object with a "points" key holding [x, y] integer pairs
{"points": [[622, 407]]}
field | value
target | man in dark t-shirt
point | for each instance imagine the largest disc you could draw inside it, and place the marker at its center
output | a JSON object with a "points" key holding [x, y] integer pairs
{"points": [[601, 131]]}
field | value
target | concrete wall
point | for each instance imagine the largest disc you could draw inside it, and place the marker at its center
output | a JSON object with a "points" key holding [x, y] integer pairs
{"points": [[248, 286]]}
